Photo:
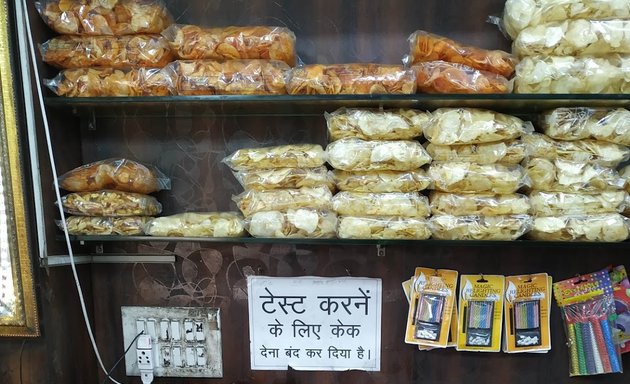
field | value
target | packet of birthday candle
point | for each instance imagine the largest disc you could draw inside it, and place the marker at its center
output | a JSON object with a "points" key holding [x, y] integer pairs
{"points": [[430, 311], [452, 335], [480, 313], [588, 310], [621, 294], [527, 314]]}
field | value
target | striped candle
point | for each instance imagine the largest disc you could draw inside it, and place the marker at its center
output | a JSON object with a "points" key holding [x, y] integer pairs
{"points": [[589, 352], [580, 349], [610, 346], [601, 345], [599, 365], [575, 366]]}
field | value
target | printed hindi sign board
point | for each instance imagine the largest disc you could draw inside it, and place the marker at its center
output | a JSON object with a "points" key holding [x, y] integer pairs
{"points": [[314, 323]]}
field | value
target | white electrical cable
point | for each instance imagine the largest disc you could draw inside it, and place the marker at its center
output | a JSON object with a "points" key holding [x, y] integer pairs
{"points": [[56, 184]]}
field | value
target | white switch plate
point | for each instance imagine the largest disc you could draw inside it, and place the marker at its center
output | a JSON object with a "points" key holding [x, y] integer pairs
{"points": [[186, 341]]}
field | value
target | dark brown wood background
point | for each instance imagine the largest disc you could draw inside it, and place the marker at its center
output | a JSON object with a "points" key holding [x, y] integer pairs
{"points": [[190, 148]]}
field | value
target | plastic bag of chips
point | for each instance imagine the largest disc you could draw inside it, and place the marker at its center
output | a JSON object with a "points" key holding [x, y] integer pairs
{"points": [[130, 51], [300, 223], [611, 227], [477, 178], [279, 178], [429, 47], [504, 152], [566, 203], [574, 38], [584, 150], [197, 224], [400, 204], [282, 156], [567, 74], [509, 227], [191, 42], [368, 124], [611, 125], [569, 176], [356, 79], [231, 77], [452, 126], [360, 155], [102, 82], [381, 181], [101, 226], [110, 203], [478, 204], [401, 228], [250, 202], [443, 77], [109, 17], [117, 173]]}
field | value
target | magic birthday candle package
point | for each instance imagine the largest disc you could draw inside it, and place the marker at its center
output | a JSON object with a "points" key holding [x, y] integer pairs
{"points": [[588, 310], [527, 301], [480, 313]]}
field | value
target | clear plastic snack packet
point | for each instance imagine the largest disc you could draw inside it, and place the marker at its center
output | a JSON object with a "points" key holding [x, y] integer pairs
{"points": [[410, 204], [281, 156], [567, 74], [475, 227], [231, 77], [101, 226], [381, 181], [546, 203], [192, 42], [97, 17], [429, 47], [360, 155], [197, 224], [383, 227], [103, 82], [574, 38], [453, 126], [610, 125], [250, 202], [116, 173], [129, 51], [279, 178], [444, 77], [478, 204], [520, 14], [589, 151], [625, 174], [464, 177], [110, 203], [569, 176], [607, 227], [370, 124], [296, 223], [355, 79], [504, 152]]}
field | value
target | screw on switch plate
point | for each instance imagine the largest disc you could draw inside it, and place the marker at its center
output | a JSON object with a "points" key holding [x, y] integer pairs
{"points": [[184, 342]]}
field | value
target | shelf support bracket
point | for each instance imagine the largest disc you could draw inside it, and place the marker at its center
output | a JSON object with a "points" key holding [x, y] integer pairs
{"points": [[380, 250]]}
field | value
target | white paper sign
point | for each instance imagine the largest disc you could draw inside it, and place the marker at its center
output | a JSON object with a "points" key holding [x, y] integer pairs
{"points": [[314, 323]]}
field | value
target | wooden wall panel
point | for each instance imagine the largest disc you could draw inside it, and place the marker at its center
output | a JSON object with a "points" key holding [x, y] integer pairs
{"points": [[189, 149]]}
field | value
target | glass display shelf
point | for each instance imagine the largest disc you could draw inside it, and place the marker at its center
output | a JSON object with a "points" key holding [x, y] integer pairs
{"points": [[344, 242], [300, 105]]}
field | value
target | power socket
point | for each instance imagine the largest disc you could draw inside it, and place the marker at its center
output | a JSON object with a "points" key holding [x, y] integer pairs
{"points": [[145, 355], [178, 341]]}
